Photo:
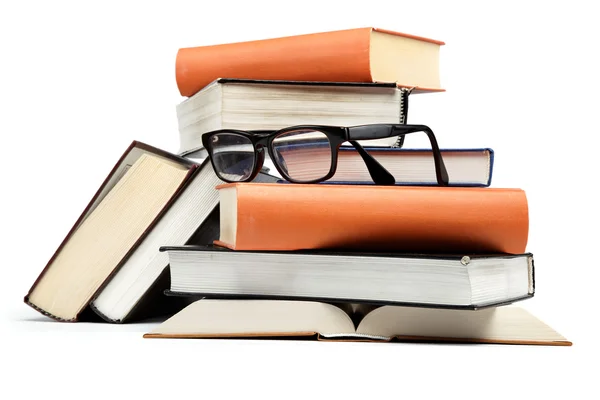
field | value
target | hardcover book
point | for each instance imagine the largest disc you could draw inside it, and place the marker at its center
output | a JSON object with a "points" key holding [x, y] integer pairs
{"points": [[143, 274], [417, 219], [136, 290], [426, 280], [267, 104], [352, 55], [138, 190], [253, 319], [415, 167]]}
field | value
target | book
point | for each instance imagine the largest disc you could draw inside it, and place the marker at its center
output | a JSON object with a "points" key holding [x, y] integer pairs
{"points": [[350, 55], [271, 105], [135, 291], [253, 319], [143, 274], [416, 219], [136, 192], [466, 167], [456, 281]]}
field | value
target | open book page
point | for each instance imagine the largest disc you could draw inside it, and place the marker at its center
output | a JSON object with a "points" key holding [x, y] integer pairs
{"points": [[244, 318], [356, 311], [493, 325], [273, 318]]}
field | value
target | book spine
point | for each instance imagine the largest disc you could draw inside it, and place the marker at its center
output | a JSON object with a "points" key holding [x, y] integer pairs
{"points": [[340, 56], [405, 92], [361, 217]]}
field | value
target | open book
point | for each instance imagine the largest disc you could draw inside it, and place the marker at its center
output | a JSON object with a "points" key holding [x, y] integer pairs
{"points": [[270, 318]]}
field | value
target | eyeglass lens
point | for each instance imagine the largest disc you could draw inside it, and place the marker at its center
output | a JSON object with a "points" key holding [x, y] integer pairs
{"points": [[233, 156], [303, 154]]}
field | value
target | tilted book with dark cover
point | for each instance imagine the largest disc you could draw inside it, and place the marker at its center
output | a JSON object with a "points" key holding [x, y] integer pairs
{"points": [[145, 179], [136, 290], [109, 264]]}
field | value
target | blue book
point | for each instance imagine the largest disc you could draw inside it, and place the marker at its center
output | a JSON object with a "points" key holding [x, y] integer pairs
{"points": [[466, 167], [415, 167]]}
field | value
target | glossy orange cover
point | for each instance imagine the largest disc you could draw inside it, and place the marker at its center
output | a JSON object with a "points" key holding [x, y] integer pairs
{"points": [[283, 216], [337, 56]]}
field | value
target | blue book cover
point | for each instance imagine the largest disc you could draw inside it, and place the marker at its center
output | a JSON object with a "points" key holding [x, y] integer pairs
{"points": [[467, 167]]}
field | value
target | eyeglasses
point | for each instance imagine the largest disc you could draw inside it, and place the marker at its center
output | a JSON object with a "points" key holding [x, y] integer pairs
{"points": [[305, 153]]}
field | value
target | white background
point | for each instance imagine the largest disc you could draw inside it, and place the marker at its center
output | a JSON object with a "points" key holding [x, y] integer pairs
{"points": [[80, 80]]}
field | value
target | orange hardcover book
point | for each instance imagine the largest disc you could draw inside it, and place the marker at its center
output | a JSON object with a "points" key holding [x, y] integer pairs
{"points": [[429, 219], [351, 55]]}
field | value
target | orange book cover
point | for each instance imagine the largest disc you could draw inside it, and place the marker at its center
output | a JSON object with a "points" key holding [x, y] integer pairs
{"points": [[280, 216], [351, 55]]}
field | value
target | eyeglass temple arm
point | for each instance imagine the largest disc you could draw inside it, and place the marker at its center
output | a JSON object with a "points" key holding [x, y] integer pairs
{"points": [[378, 173], [366, 132]]}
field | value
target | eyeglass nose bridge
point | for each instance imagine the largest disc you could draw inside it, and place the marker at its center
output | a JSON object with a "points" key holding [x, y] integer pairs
{"points": [[260, 157]]}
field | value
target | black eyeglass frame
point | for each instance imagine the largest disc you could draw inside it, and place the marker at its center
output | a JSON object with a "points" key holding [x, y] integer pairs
{"points": [[336, 135]]}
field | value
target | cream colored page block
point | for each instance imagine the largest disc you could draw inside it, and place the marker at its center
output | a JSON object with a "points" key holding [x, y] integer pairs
{"points": [[102, 240], [408, 167], [500, 323], [255, 317], [404, 60], [228, 215], [267, 106], [146, 263]]}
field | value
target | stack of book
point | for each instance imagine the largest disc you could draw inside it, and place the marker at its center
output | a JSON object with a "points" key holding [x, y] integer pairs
{"points": [[345, 259]]}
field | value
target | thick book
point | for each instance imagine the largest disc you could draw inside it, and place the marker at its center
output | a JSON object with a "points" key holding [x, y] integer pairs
{"points": [[416, 219], [138, 190], [466, 167], [253, 319], [352, 55], [268, 104], [454, 281], [136, 290]]}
